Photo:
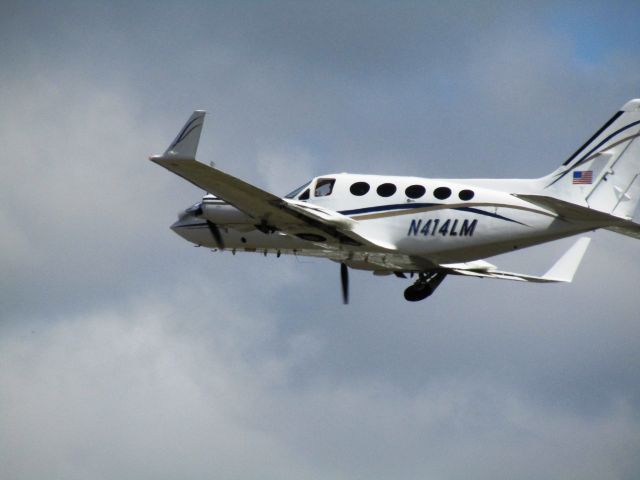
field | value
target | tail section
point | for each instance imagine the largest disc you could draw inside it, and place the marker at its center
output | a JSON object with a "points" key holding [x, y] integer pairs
{"points": [[604, 174]]}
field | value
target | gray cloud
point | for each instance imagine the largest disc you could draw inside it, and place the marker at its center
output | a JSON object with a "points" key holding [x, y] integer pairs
{"points": [[126, 352], [139, 396]]}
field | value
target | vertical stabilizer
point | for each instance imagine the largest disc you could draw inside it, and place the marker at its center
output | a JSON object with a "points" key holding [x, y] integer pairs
{"points": [[604, 174]]}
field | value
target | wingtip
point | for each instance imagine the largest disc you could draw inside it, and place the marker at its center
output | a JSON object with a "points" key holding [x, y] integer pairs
{"points": [[186, 142]]}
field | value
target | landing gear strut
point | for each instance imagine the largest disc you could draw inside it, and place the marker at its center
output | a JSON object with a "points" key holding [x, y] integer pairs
{"points": [[424, 286]]}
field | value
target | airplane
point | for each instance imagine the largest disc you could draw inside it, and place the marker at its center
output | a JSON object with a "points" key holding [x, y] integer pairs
{"points": [[423, 228]]}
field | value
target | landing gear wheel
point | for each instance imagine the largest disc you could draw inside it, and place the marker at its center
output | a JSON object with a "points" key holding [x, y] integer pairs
{"points": [[425, 286], [417, 292]]}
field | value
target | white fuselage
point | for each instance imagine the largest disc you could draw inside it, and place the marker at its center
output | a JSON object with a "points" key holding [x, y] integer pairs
{"points": [[428, 221]]}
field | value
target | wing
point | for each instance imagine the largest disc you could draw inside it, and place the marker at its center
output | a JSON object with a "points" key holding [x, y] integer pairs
{"points": [[562, 271], [270, 212]]}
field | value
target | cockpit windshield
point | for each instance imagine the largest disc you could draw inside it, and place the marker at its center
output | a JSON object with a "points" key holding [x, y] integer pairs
{"points": [[295, 193], [195, 208]]}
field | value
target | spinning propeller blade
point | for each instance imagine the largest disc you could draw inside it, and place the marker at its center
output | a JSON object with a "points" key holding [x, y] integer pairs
{"points": [[344, 280], [217, 236]]}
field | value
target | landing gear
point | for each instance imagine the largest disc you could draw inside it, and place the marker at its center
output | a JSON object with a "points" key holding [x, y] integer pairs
{"points": [[424, 286]]}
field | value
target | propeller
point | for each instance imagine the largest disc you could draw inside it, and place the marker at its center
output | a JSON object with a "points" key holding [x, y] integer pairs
{"points": [[344, 280], [215, 233]]}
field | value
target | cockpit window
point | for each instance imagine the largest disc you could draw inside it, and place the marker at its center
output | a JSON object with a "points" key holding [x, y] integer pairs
{"points": [[304, 195], [196, 208], [324, 187], [297, 191]]}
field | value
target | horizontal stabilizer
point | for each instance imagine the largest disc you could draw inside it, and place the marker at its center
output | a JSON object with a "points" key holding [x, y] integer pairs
{"points": [[631, 229], [570, 211], [565, 268], [576, 213], [562, 271]]}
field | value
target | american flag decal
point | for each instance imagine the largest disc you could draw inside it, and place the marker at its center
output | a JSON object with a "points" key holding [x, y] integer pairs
{"points": [[584, 177]]}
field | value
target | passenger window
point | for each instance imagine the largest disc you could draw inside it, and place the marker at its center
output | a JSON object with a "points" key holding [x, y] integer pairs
{"points": [[324, 187], [442, 193], [386, 189], [415, 191], [466, 195], [359, 188], [305, 195]]}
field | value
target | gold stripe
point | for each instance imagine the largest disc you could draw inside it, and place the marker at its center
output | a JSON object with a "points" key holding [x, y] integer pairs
{"points": [[411, 211]]}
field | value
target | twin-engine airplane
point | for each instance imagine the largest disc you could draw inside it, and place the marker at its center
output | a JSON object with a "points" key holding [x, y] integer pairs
{"points": [[419, 226]]}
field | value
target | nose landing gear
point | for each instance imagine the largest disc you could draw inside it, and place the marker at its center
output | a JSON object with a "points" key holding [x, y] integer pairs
{"points": [[424, 286]]}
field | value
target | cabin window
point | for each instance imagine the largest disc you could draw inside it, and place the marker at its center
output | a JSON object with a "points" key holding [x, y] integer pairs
{"points": [[466, 195], [359, 188], [386, 189], [297, 191], [442, 193], [415, 191], [324, 187]]}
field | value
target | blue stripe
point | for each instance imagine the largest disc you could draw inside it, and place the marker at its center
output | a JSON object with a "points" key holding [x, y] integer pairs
{"points": [[192, 225], [586, 155], [183, 133], [594, 136], [411, 206], [384, 208], [489, 214]]}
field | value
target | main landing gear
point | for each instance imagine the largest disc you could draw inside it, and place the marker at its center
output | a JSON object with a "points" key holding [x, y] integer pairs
{"points": [[424, 286]]}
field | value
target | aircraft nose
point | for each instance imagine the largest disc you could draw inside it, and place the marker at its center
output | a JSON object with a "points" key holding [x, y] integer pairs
{"points": [[185, 219]]}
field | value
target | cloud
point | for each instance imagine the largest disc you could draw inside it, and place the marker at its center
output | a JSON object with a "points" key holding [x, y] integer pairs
{"points": [[75, 187], [142, 394], [126, 352]]}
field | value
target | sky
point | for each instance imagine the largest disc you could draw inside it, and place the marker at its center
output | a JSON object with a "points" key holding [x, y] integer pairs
{"points": [[127, 353]]}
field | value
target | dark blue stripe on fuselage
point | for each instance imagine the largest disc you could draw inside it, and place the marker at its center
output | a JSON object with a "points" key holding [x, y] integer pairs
{"points": [[192, 225], [390, 208], [489, 214], [384, 208], [411, 206]]}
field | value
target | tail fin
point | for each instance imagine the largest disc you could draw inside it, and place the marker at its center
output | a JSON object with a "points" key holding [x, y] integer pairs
{"points": [[604, 174], [185, 144]]}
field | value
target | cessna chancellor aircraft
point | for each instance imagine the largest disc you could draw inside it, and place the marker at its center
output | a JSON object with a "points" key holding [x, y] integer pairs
{"points": [[424, 227]]}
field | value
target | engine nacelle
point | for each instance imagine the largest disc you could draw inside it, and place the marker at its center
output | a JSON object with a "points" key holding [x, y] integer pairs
{"points": [[222, 213]]}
